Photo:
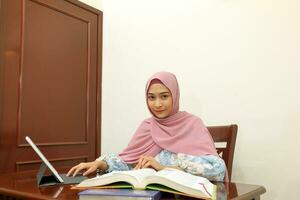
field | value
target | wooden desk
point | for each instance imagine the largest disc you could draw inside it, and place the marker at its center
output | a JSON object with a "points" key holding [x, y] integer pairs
{"points": [[22, 185]]}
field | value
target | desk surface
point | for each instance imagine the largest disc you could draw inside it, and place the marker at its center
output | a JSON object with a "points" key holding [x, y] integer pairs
{"points": [[23, 185]]}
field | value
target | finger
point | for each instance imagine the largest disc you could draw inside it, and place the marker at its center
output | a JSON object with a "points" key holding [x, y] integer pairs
{"points": [[144, 161], [90, 170], [71, 170], [137, 166], [78, 169], [141, 164], [147, 164]]}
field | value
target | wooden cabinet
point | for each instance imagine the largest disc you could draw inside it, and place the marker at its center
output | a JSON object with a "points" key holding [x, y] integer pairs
{"points": [[50, 82]]}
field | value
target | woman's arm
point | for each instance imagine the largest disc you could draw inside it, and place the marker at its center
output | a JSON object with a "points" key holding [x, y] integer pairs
{"points": [[209, 166], [114, 163]]}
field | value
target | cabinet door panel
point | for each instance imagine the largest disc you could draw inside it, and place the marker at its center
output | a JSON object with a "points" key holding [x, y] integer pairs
{"points": [[51, 82]]}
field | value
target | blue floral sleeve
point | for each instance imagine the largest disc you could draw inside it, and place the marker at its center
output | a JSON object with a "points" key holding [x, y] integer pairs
{"points": [[209, 166], [115, 163]]}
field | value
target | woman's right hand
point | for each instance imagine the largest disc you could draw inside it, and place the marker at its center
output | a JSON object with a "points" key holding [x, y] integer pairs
{"points": [[89, 167]]}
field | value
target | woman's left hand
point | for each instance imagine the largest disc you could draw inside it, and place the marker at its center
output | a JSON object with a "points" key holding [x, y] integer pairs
{"points": [[148, 161]]}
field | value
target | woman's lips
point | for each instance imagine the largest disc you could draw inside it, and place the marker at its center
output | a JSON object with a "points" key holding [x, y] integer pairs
{"points": [[159, 111]]}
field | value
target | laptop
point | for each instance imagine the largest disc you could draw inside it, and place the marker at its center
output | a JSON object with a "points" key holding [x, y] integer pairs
{"points": [[55, 178]]}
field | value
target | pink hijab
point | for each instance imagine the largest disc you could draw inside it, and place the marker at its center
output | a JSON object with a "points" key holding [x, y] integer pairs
{"points": [[181, 132]]}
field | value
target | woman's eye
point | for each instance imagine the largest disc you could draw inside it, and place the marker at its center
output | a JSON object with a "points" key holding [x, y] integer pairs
{"points": [[151, 97], [165, 96]]}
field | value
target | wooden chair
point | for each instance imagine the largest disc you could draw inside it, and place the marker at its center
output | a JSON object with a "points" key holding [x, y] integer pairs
{"points": [[225, 134]]}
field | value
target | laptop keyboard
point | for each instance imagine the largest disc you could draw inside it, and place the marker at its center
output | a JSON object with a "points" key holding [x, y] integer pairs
{"points": [[71, 179]]}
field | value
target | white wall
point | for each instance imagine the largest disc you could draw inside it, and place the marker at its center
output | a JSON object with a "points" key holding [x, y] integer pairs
{"points": [[94, 3], [237, 61]]}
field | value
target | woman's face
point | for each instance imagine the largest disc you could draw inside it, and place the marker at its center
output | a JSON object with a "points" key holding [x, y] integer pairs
{"points": [[159, 99]]}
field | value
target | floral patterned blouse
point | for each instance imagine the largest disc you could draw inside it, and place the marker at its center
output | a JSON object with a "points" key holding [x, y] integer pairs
{"points": [[209, 166]]}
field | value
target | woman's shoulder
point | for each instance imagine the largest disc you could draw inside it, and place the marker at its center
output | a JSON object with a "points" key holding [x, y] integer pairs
{"points": [[145, 123], [147, 120], [192, 116]]}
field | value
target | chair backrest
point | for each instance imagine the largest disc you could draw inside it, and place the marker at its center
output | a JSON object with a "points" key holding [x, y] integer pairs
{"points": [[225, 134]]}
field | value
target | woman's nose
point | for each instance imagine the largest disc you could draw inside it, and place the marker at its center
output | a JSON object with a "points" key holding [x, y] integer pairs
{"points": [[157, 103]]}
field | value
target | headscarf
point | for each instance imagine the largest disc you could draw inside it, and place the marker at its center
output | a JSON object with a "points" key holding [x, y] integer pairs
{"points": [[180, 132]]}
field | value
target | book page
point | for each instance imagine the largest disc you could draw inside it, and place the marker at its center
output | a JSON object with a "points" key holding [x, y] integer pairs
{"points": [[134, 177], [139, 175], [183, 182]]}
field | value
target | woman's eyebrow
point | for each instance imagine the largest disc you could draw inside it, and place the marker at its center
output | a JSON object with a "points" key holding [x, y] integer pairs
{"points": [[149, 93]]}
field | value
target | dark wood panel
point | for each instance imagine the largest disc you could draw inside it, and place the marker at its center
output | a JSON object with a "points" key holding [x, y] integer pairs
{"points": [[60, 65], [10, 33], [57, 163], [51, 80]]}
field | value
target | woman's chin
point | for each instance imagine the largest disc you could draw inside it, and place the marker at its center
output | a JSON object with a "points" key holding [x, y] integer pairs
{"points": [[161, 115]]}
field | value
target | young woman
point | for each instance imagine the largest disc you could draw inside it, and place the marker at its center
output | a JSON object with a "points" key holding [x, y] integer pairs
{"points": [[170, 138]]}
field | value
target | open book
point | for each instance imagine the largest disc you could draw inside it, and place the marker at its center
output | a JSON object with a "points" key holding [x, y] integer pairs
{"points": [[167, 180]]}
